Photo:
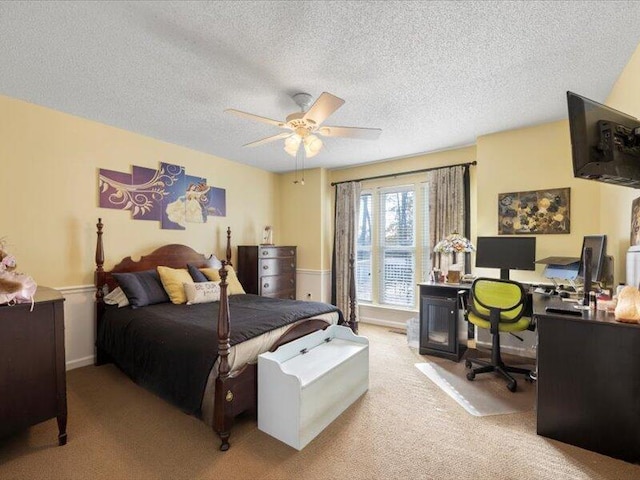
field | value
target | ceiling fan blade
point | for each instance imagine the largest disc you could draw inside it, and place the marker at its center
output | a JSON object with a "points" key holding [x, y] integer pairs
{"points": [[269, 139], [251, 116], [324, 106], [350, 132]]}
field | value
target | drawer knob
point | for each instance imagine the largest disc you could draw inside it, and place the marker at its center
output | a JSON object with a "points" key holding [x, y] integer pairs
{"points": [[293, 265], [291, 281], [291, 252], [266, 285], [265, 267], [265, 252]]}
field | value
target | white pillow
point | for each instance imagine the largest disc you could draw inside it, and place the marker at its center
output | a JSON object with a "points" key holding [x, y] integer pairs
{"points": [[116, 297], [202, 292]]}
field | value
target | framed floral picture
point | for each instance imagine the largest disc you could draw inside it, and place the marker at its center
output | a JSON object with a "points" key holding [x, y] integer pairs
{"points": [[534, 212]]}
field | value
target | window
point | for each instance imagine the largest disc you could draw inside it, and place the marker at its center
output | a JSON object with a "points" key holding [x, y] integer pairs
{"points": [[391, 246]]}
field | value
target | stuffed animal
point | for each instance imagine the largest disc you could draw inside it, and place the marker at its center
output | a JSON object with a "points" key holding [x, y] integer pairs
{"points": [[628, 307]]}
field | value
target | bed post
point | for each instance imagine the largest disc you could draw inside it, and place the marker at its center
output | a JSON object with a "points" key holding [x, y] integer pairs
{"points": [[228, 251], [99, 280], [352, 295], [223, 396]]}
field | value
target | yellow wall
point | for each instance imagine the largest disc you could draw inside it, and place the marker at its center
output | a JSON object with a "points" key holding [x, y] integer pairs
{"points": [[48, 194], [302, 209], [534, 158], [615, 206]]}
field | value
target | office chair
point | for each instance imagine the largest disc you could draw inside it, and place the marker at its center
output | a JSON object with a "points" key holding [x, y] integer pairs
{"points": [[497, 305]]}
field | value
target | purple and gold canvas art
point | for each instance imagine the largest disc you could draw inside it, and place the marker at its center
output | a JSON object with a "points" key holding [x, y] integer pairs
{"points": [[167, 195]]}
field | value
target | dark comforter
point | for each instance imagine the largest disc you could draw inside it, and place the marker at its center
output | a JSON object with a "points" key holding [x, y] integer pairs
{"points": [[170, 349]]}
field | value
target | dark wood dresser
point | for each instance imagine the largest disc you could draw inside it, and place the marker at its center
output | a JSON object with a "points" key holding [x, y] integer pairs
{"points": [[269, 271], [32, 364]]}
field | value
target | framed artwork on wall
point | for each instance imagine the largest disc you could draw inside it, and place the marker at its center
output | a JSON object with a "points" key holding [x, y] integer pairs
{"points": [[535, 212], [166, 194]]}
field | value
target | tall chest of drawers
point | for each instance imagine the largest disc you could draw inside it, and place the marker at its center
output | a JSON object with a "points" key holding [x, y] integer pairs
{"points": [[268, 271], [32, 364]]}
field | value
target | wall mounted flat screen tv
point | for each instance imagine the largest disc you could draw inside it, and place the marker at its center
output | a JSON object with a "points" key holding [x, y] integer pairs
{"points": [[605, 143]]}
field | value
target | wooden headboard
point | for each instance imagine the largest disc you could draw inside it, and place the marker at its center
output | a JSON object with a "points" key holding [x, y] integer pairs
{"points": [[173, 255]]}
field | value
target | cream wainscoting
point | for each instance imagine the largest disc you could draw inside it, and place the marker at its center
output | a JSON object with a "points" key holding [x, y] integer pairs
{"points": [[313, 285], [79, 325]]}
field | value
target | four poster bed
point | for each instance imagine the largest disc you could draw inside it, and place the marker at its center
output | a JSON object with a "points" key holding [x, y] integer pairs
{"points": [[200, 357]]}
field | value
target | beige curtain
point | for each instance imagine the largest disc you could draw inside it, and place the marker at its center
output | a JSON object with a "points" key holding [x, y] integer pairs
{"points": [[346, 225], [446, 210]]}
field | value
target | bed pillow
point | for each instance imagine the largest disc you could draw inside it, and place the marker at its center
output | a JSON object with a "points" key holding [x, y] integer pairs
{"points": [[235, 288], [173, 280], [116, 297], [196, 274], [202, 292], [142, 288]]}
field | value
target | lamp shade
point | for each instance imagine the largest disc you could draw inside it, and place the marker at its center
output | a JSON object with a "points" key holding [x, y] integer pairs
{"points": [[291, 145], [454, 243], [312, 145]]}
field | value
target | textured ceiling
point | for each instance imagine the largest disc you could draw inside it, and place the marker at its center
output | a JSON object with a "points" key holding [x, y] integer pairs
{"points": [[431, 75]]}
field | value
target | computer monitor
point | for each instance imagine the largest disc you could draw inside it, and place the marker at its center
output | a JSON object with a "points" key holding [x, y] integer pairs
{"points": [[598, 245], [506, 253]]}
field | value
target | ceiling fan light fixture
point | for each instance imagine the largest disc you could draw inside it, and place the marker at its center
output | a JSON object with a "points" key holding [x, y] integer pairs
{"points": [[291, 145], [312, 145]]}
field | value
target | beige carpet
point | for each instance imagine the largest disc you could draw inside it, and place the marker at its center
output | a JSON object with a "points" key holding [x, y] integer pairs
{"points": [[404, 427], [486, 395]]}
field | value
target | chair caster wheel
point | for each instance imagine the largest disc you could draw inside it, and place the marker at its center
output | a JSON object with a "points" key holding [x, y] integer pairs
{"points": [[471, 376], [512, 386], [467, 363]]}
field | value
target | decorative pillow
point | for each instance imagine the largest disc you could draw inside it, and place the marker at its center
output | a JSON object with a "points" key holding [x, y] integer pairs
{"points": [[196, 274], [202, 292], [142, 288], [116, 297], [215, 262], [235, 288], [172, 280]]}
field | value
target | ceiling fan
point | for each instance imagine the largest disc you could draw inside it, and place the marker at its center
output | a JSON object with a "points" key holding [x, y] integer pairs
{"points": [[303, 126]]}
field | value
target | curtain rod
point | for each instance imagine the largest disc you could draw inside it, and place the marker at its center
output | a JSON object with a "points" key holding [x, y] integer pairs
{"points": [[389, 175]]}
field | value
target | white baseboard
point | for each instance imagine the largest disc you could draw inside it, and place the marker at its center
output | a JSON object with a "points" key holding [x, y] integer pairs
{"points": [[80, 362], [383, 323]]}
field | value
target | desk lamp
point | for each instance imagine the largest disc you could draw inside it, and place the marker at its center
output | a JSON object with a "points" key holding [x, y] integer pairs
{"points": [[453, 244]]}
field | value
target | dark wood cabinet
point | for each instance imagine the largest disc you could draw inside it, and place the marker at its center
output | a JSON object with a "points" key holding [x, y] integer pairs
{"points": [[588, 381], [32, 364], [268, 271], [440, 329]]}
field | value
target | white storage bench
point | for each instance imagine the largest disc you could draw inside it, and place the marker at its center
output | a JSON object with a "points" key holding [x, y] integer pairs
{"points": [[306, 384]]}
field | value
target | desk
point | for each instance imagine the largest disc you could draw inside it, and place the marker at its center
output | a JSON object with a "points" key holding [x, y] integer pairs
{"points": [[439, 314], [588, 380]]}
